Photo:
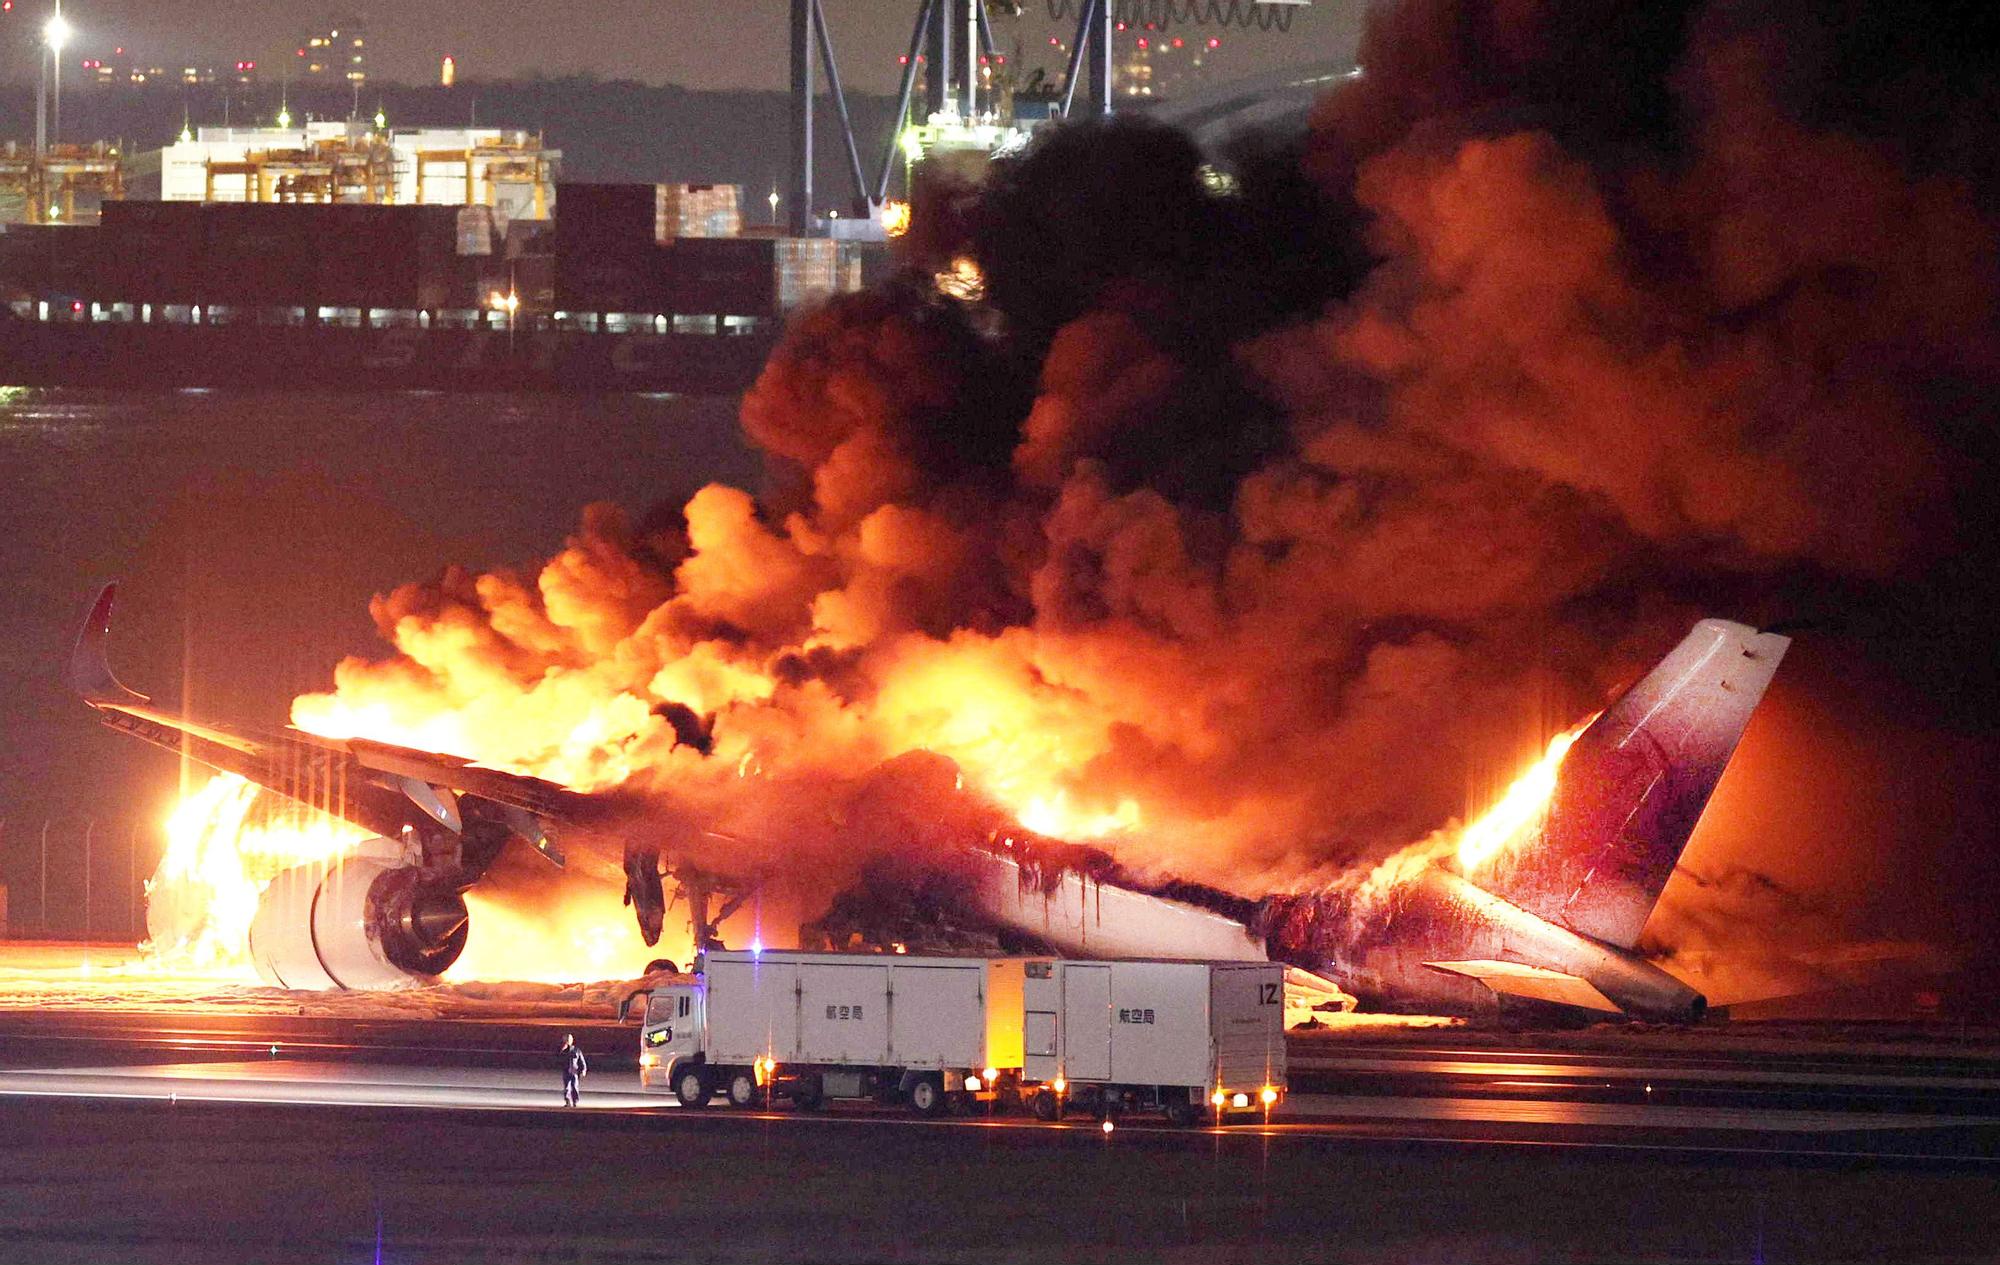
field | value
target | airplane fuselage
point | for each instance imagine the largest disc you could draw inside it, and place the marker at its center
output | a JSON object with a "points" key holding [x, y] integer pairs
{"points": [[1442, 943]]}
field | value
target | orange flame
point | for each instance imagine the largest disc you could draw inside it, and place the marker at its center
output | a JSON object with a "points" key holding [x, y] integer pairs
{"points": [[586, 937], [1506, 823], [220, 855], [1513, 820], [224, 848]]}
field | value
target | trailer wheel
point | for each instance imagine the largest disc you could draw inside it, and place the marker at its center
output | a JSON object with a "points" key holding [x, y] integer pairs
{"points": [[1048, 1106], [744, 1091], [1183, 1113], [809, 1094], [927, 1097], [692, 1088]]}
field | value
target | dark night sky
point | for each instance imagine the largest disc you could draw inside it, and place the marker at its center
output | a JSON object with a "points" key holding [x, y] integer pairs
{"points": [[698, 43]]}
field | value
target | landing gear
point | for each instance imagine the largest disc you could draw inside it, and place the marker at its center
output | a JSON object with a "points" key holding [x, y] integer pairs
{"points": [[1182, 1112]]}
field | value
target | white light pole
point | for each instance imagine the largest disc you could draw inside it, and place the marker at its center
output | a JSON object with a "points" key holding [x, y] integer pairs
{"points": [[55, 33]]}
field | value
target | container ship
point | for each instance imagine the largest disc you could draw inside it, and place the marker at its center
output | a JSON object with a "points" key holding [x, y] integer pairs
{"points": [[295, 264]]}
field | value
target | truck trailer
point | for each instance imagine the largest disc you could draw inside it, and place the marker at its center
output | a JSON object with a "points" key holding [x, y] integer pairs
{"points": [[1183, 1038], [753, 1024]]}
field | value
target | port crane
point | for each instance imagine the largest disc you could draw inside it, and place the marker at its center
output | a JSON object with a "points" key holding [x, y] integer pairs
{"points": [[951, 42]]}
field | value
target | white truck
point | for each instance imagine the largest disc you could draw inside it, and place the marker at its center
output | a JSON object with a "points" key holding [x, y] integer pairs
{"points": [[927, 1031], [1185, 1038]]}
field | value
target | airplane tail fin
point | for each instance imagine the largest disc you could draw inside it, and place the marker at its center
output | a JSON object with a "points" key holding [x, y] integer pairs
{"points": [[1635, 783]]}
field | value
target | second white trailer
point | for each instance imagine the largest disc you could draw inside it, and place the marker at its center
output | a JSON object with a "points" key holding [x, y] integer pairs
{"points": [[1180, 1037]]}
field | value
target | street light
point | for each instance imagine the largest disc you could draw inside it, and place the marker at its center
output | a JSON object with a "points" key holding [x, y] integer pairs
{"points": [[56, 32]]}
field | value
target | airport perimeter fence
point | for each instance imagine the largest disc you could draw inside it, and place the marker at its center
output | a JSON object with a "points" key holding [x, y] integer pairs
{"points": [[75, 878]]}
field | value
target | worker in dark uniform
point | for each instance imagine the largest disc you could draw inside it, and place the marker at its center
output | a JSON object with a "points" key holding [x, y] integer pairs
{"points": [[575, 1068]]}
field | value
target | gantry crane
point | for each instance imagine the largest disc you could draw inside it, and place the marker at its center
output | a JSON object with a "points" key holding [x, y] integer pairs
{"points": [[952, 42]]}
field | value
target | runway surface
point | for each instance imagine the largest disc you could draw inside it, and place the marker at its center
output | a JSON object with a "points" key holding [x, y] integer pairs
{"points": [[279, 1137], [253, 1138], [279, 1080]]}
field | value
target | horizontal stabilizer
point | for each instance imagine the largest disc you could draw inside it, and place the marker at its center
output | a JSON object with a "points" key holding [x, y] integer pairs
{"points": [[1536, 983], [1308, 993]]}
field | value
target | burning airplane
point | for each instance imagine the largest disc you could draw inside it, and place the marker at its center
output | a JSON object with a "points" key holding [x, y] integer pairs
{"points": [[1542, 899]]}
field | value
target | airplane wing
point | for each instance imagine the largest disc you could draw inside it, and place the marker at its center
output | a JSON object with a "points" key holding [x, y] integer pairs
{"points": [[376, 785], [1536, 983]]}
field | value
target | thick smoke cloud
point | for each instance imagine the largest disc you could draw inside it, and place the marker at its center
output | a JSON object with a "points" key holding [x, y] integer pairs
{"points": [[1255, 532]]}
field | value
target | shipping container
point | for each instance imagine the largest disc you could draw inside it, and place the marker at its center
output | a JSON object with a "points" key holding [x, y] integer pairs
{"points": [[720, 276], [50, 261], [808, 271], [258, 254], [155, 251], [390, 257], [475, 230], [698, 210], [607, 216]]}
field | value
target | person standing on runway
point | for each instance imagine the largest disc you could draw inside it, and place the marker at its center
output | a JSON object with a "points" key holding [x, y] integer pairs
{"points": [[575, 1068]]}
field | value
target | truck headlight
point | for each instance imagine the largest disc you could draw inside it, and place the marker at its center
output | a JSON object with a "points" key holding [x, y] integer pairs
{"points": [[973, 1084], [1239, 1100], [1268, 1097], [648, 1059], [1217, 1098]]}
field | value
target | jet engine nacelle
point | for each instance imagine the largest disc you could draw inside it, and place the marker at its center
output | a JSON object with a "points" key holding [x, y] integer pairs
{"points": [[369, 920]]}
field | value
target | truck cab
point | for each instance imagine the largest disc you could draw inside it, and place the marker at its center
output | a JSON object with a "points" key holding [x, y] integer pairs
{"points": [[672, 1034]]}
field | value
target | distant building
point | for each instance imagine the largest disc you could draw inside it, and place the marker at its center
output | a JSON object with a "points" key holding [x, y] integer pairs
{"points": [[1155, 65], [509, 172], [121, 70], [1145, 64], [336, 51]]}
